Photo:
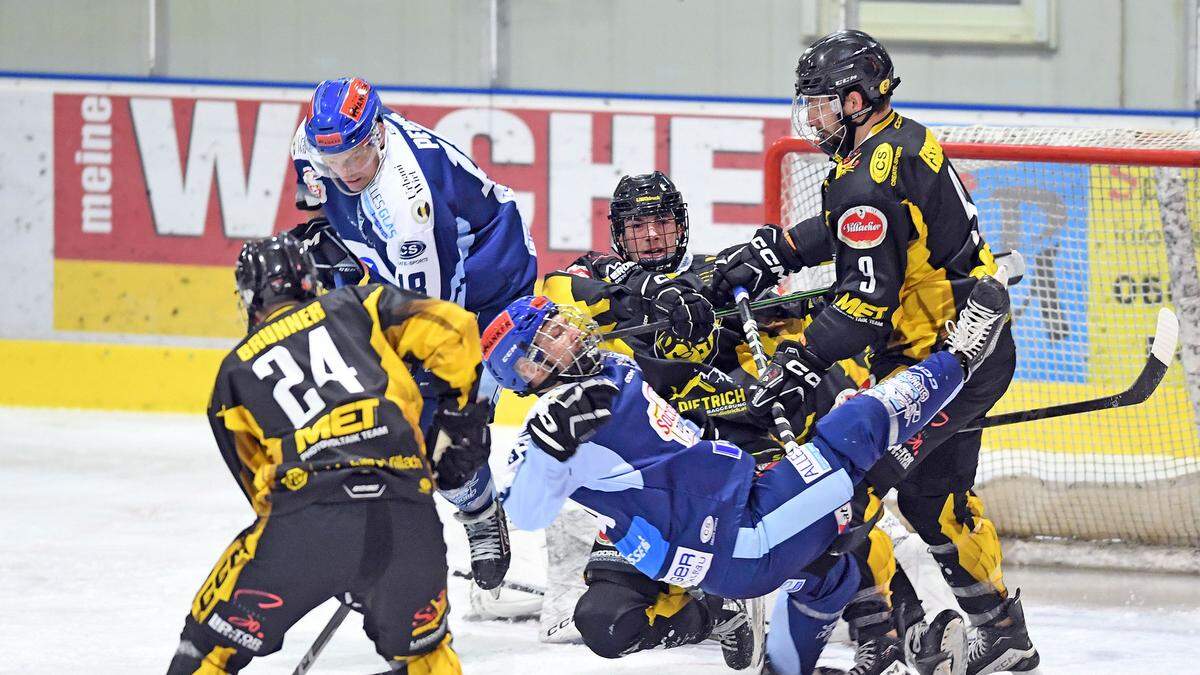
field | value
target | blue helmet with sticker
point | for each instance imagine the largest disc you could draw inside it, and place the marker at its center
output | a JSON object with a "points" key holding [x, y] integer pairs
{"points": [[534, 344], [342, 115]]}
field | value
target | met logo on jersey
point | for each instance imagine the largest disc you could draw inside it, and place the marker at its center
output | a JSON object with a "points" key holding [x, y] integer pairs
{"points": [[345, 423], [857, 309], [862, 227]]}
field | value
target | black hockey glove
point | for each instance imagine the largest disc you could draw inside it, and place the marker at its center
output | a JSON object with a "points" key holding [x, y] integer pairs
{"points": [[690, 313], [755, 267], [460, 443], [336, 265], [570, 415], [791, 375]]}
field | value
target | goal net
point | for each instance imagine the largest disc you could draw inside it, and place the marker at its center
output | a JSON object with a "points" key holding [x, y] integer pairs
{"points": [[1106, 222]]}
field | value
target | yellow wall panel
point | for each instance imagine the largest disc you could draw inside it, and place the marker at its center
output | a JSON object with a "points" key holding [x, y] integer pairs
{"points": [[145, 298]]}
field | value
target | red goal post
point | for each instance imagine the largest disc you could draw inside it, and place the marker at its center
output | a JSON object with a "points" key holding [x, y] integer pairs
{"points": [[1106, 220]]}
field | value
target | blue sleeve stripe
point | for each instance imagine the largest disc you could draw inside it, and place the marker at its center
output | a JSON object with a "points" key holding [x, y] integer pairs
{"points": [[815, 502]]}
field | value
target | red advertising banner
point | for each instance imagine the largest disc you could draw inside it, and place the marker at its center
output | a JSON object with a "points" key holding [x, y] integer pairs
{"points": [[184, 180]]}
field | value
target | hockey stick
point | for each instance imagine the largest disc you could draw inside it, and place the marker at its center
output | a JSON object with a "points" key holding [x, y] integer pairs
{"points": [[511, 585], [655, 326], [1162, 351], [323, 637], [756, 609]]}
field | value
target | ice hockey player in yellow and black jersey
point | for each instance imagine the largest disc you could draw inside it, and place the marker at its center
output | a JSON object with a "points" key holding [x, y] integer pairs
{"points": [[316, 415], [904, 236]]}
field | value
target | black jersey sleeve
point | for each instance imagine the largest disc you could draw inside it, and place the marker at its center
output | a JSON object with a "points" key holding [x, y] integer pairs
{"points": [[439, 335], [595, 284], [870, 253]]}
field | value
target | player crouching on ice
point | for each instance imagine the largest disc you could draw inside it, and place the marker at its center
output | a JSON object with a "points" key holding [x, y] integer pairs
{"points": [[689, 511]]}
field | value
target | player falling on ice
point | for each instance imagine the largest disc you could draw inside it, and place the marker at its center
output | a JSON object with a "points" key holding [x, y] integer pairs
{"points": [[904, 236], [688, 511], [651, 275], [419, 215], [314, 412]]}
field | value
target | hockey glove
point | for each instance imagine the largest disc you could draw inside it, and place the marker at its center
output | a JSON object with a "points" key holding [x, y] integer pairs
{"points": [[336, 265], [570, 415], [690, 313], [461, 443], [791, 375], [756, 266]]}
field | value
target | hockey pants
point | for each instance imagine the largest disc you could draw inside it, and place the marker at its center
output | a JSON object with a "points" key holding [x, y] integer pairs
{"points": [[387, 557]]}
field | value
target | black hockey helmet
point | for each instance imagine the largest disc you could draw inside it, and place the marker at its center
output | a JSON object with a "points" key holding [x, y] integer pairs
{"points": [[274, 270], [831, 68], [649, 195]]}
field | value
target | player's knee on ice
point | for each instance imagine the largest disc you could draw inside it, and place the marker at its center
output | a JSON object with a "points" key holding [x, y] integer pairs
{"points": [[624, 612]]}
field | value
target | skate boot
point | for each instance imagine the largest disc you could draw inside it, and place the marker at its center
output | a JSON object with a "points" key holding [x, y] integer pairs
{"points": [[736, 635], [880, 656], [487, 534], [995, 647], [974, 335], [938, 648]]}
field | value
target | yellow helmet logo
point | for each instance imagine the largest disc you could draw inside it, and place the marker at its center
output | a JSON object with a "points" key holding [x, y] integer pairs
{"points": [[885, 86]]}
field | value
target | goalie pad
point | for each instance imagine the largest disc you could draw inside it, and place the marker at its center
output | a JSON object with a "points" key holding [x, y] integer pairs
{"points": [[568, 544]]}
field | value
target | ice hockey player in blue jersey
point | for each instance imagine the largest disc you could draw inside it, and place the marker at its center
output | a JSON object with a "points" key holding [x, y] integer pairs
{"points": [[689, 511], [416, 213]]}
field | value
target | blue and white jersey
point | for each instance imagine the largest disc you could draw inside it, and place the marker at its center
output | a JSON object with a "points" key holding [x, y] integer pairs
{"points": [[431, 221], [666, 499]]}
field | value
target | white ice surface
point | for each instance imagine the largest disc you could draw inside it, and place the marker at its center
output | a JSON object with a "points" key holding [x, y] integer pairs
{"points": [[111, 521]]}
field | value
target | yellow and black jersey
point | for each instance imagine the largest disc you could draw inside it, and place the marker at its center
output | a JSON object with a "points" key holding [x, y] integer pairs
{"points": [[596, 283], [907, 247], [703, 381], [321, 392]]}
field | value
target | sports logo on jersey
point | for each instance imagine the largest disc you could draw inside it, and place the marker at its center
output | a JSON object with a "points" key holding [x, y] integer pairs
{"points": [[688, 568], [808, 462], [881, 162], [670, 347], [356, 100], [411, 249], [665, 420], [862, 227], [421, 211]]}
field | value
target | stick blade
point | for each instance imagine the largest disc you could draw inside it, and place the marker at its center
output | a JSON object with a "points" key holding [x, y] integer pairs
{"points": [[1166, 336]]}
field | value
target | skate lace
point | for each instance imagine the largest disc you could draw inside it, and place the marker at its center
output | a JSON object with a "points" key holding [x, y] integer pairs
{"points": [[726, 631], [968, 334], [484, 539], [864, 658]]}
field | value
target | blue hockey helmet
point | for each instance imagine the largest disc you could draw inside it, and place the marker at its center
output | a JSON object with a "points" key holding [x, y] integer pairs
{"points": [[534, 344], [342, 115]]}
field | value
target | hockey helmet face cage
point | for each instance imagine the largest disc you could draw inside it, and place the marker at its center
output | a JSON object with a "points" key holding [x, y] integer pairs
{"points": [[649, 222], [343, 126], [837, 64], [274, 270], [535, 344]]}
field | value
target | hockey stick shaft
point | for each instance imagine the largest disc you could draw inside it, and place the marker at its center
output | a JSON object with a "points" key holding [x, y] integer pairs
{"points": [[783, 428], [323, 638], [655, 326], [1162, 351]]}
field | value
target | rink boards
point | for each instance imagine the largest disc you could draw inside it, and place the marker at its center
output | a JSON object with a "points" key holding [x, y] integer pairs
{"points": [[137, 196]]}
